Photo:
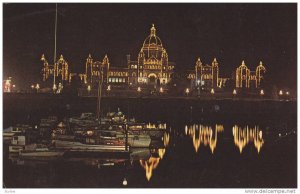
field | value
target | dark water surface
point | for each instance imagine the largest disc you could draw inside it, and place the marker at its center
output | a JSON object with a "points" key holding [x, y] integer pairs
{"points": [[202, 151]]}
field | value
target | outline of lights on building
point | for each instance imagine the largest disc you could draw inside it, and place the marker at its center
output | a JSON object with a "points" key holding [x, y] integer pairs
{"points": [[151, 67], [7, 85]]}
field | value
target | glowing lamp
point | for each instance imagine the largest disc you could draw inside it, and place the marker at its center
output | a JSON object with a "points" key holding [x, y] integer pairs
{"points": [[124, 182], [280, 92], [90, 132], [139, 89], [187, 91], [37, 86], [89, 88], [234, 92], [108, 88], [287, 93], [262, 92], [161, 90], [212, 91]]}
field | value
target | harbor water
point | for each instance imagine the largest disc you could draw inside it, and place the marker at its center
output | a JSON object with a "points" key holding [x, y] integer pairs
{"points": [[201, 149]]}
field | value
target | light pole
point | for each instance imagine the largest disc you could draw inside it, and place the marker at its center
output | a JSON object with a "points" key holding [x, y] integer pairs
{"points": [[262, 93], [108, 89], [37, 87], [198, 87], [187, 91], [89, 89], [234, 93], [161, 90]]}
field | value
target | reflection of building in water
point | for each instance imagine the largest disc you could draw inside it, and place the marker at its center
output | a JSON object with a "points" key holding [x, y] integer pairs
{"points": [[152, 163], [205, 135], [166, 139], [242, 137]]}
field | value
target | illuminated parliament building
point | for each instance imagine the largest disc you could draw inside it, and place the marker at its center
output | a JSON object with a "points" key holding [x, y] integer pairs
{"points": [[151, 69]]}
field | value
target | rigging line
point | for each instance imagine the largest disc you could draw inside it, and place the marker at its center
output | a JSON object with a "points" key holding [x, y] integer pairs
{"points": [[54, 58]]}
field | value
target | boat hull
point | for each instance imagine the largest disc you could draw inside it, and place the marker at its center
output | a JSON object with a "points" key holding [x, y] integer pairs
{"points": [[41, 155], [77, 146]]}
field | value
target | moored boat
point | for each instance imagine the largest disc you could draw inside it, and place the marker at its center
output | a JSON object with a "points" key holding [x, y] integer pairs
{"points": [[40, 152]]}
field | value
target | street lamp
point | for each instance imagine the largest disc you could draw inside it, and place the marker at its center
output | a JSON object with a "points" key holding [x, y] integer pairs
{"points": [[161, 90], [89, 88], [37, 87], [262, 92], [198, 87], [54, 87], [234, 92], [187, 91]]}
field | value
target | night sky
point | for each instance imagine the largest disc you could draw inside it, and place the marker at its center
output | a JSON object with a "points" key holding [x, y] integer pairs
{"points": [[230, 32]]}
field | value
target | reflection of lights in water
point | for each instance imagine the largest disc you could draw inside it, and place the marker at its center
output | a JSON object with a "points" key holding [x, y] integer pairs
{"points": [[203, 135], [161, 153], [124, 182], [244, 136], [152, 163], [166, 139]]}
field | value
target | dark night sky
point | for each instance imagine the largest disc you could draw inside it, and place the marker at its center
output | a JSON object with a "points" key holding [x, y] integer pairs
{"points": [[230, 32]]}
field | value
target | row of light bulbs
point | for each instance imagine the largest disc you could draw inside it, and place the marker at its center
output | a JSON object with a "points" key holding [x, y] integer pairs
{"points": [[187, 90]]}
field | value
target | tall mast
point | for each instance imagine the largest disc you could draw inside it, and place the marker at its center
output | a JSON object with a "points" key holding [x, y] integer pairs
{"points": [[54, 58], [99, 93]]}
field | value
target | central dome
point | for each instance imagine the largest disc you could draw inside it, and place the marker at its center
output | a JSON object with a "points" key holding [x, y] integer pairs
{"points": [[152, 39], [152, 46]]}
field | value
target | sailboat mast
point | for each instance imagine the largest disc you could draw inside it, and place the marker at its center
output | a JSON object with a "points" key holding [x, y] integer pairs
{"points": [[99, 93], [54, 58]]}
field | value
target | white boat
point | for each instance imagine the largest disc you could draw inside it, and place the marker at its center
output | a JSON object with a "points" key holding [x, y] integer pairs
{"points": [[17, 143], [8, 133], [39, 152], [140, 154], [134, 140], [139, 141], [15, 148], [78, 146]]}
